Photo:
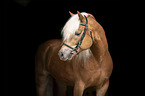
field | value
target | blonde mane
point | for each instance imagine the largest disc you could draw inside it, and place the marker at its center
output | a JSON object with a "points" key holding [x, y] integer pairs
{"points": [[71, 27], [69, 30]]}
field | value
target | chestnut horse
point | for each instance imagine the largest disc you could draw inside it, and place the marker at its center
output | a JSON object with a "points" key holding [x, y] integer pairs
{"points": [[81, 59]]}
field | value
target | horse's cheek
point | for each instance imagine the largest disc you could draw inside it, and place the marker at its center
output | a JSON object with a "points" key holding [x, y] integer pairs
{"points": [[87, 43]]}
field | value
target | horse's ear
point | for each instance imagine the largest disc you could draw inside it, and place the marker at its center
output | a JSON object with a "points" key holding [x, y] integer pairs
{"points": [[71, 13], [81, 17]]}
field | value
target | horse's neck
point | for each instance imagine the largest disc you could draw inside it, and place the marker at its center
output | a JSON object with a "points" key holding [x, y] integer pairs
{"points": [[100, 45]]}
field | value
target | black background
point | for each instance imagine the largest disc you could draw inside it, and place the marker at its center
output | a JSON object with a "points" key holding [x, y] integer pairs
{"points": [[30, 25]]}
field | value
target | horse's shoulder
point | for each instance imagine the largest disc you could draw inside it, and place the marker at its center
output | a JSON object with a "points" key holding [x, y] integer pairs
{"points": [[44, 47]]}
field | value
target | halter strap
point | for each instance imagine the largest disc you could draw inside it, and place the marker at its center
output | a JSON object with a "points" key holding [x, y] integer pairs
{"points": [[73, 49], [82, 37]]}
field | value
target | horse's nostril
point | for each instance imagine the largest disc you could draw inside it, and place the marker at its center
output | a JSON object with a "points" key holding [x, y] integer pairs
{"points": [[61, 54]]}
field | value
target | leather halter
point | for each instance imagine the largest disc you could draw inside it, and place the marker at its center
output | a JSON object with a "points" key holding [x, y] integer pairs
{"points": [[82, 37]]}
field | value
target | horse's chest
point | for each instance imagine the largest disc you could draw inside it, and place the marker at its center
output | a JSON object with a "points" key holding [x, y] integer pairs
{"points": [[91, 78], [96, 78], [63, 74]]}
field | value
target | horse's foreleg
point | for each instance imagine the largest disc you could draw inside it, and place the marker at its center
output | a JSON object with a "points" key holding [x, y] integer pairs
{"points": [[78, 89], [44, 85], [49, 86], [102, 91], [59, 88]]}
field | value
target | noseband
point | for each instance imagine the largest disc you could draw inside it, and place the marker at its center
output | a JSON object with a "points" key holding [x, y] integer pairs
{"points": [[82, 37]]}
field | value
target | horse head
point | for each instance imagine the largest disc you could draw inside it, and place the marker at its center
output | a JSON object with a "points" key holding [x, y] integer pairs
{"points": [[77, 36]]}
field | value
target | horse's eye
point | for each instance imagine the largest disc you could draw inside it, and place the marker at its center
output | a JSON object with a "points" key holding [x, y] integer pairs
{"points": [[77, 33]]}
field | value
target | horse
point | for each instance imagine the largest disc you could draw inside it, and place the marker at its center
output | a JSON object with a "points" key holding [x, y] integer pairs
{"points": [[80, 59]]}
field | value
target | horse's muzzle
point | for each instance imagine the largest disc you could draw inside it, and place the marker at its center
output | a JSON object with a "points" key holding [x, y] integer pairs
{"points": [[65, 54]]}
